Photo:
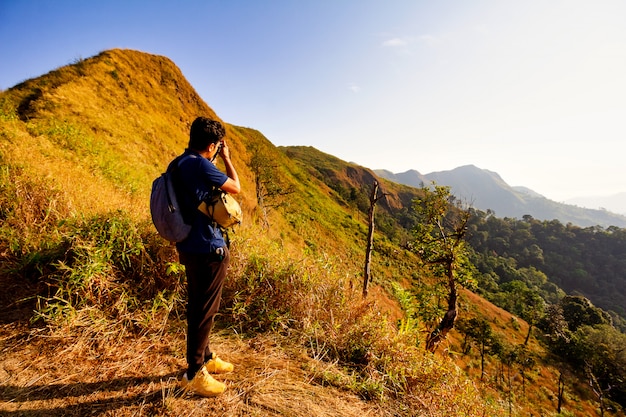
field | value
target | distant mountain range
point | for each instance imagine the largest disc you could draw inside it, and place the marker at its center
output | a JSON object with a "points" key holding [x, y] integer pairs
{"points": [[615, 203], [486, 190]]}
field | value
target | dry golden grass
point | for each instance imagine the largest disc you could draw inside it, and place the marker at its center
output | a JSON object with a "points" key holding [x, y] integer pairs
{"points": [[45, 374], [302, 367], [73, 376]]}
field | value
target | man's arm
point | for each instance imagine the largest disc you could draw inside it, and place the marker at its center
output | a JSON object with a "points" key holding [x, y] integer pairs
{"points": [[231, 185]]}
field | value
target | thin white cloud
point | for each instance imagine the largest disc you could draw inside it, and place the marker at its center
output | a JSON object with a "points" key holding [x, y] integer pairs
{"points": [[354, 88], [429, 40], [403, 43], [396, 42]]}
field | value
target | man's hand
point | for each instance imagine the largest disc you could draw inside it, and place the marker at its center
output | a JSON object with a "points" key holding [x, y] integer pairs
{"points": [[231, 185], [224, 150]]}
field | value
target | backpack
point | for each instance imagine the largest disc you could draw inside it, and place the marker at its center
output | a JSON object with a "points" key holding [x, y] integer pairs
{"points": [[166, 213]]}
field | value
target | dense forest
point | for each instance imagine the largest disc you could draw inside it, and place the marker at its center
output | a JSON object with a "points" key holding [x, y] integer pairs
{"points": [[528, 266], [548, 255]]}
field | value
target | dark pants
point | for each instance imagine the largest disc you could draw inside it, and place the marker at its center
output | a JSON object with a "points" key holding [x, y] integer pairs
{"points": [[205, 279]]}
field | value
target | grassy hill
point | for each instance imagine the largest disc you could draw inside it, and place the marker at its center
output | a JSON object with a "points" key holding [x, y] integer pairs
{"points": [[93, 301]]}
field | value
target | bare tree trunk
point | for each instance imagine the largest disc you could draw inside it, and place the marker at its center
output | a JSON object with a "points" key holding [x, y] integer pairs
{"points": [[370, 239], [561, 390], [509, 384], [259, 199], [597, 389], [482, 360], [530, 328], [447, 322]]}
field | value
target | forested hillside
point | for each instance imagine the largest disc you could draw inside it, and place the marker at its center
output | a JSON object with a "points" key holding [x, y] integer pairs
{"points": [[90, 286], [587, 261], [567, 282], [590, 261]]}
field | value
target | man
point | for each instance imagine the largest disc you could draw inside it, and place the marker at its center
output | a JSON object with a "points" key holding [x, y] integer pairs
{"points": [[204, 252]]}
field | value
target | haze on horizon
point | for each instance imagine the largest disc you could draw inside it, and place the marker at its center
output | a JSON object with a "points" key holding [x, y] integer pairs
{"points": [[532, 90]]}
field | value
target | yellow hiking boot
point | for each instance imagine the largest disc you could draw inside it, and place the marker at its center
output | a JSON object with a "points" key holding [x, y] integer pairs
{"points": [[203, 384], [217, 366]]}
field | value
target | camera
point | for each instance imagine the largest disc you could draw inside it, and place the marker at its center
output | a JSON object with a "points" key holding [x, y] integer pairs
{"points": [[220, 145]]}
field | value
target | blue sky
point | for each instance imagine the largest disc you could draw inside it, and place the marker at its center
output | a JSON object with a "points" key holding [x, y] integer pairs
{"points": [[533, 90]]}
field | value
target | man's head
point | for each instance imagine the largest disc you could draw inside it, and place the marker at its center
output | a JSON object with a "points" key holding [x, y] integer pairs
{"points": [[204, 132]]}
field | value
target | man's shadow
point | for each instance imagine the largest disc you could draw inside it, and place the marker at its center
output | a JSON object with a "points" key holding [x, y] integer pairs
{"points": [[14, 394], [18, 299]]}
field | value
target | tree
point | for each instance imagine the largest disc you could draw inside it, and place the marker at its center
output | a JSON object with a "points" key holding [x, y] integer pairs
{"points": [[525, 301], [579, 311], [269, 186], [526, 361], [561, 392], [440, 244], [374, 197], [556, 329], [508, 357], [602, 350], [479, 331]]}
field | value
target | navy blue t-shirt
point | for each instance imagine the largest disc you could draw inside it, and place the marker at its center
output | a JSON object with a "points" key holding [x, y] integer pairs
{"points": [[198, 178]]}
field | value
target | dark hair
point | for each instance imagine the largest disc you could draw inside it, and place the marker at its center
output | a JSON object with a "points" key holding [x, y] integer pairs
{"points": [[203, 132]]}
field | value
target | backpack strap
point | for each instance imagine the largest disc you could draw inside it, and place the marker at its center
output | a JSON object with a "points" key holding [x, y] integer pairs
{"points": [[173, 169], [189, 213]]}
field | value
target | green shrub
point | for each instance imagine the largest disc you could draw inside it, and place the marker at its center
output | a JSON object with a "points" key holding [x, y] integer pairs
{"points": [[101, 271]]}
